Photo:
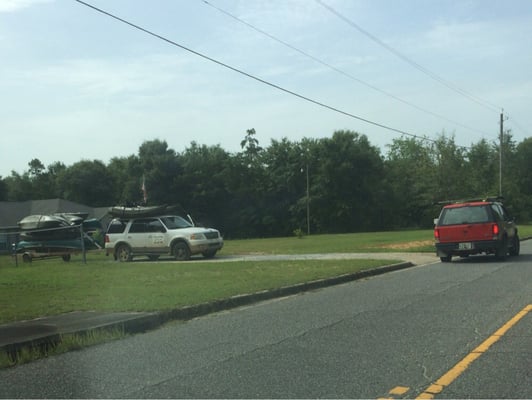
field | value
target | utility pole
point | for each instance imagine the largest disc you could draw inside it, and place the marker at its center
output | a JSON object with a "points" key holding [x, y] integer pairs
{"points": [[500, 153], [308, 205]]}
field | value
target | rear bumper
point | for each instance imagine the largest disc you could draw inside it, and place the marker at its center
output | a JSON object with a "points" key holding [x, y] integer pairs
{"points": [[453, 248]]}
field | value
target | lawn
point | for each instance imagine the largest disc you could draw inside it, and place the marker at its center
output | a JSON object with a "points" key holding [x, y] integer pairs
{"points": [[48, 287], [51, 286], [370, 242]]}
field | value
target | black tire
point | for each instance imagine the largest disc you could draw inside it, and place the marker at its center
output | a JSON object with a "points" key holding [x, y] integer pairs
{"points": [[209, 254], [502, 250], [446, 259], [180, 251], [123, 253], [153, 258], [26, 257], [66, 257], [516, 246]]}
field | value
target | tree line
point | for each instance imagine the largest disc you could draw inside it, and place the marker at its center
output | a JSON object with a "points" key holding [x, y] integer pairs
{"points": [[341, 183]]}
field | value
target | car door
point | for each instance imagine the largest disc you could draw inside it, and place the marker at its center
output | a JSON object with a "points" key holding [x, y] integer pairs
{"points": [[156, 242], [137, 235], [146, 235]]}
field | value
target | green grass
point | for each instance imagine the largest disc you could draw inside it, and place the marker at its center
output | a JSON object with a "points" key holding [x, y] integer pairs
{"points": [[372, 242], [49, 287], [525, 230], [67, 343]]}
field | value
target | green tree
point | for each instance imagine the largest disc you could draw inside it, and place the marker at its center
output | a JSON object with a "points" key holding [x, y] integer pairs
{"points": [[346, 183], [3, 190], [246, 178], [483, 169], [86, 182], [126, 176], [19, 187], [284, 186], [451, 170], [44, 181], [161, 169], [409, 170], [522, 174], [204, 179]]}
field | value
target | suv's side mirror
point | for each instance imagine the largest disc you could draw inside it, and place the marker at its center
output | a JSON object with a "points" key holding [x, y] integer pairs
{"points": [[436, 221]]}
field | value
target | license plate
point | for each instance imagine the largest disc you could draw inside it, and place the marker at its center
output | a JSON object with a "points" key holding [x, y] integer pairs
{"points": [[465, 246]]}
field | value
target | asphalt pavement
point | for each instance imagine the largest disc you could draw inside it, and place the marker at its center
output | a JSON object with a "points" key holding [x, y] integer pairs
{"points": [[47, 331]]}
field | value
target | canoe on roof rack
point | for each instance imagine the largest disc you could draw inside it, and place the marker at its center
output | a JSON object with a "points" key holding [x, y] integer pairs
{"points": [[471, 200], [139, 211]]}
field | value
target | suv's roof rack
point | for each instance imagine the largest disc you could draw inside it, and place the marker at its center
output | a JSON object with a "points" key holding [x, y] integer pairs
{"points": [[485, 199]]}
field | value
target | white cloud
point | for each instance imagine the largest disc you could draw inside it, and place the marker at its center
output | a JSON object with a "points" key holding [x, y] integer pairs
{"points": [[96, 77], [16, 5]]}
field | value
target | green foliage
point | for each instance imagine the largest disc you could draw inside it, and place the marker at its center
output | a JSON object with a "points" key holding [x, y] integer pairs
{"points": [[52, 286], [87, 182], [265, 191], [3, 190]]}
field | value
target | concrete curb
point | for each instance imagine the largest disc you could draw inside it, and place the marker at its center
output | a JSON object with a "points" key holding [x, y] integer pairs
{"points": [[132, 323]]}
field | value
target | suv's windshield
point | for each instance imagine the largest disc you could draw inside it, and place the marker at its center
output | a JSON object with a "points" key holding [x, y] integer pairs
{"points": [[464, 215], [175, 222]]}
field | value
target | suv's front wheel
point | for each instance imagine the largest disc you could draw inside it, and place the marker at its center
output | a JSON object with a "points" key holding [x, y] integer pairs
{"points": [[123, 253], [180, 251]]}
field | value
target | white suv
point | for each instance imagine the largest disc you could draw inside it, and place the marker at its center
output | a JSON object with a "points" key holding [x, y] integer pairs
{"points": [[156, 236]]}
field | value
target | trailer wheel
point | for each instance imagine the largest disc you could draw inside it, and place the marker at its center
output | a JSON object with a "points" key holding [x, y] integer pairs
{"points": [[66, 257], [26, 257]]}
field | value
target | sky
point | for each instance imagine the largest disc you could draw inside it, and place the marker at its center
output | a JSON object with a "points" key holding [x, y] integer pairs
{"points": [[76, 84]]}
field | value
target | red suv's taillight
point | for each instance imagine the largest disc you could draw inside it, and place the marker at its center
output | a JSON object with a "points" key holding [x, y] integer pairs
{"points": [[495, 229], [437, 234]]}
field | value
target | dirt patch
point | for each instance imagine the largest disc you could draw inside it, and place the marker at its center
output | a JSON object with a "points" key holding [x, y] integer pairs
{"points": [[407, 245]]}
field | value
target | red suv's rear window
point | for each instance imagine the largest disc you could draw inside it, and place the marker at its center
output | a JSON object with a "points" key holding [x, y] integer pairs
{"points": [[466, 214]]}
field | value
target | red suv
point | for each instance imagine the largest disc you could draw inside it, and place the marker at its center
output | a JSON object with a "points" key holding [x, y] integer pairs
{"points": [[473, 227]]}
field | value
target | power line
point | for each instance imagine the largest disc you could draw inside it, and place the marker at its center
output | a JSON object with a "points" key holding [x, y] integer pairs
{"points": [[517, 125], [318, 103], [419, 67], [339, 70]]}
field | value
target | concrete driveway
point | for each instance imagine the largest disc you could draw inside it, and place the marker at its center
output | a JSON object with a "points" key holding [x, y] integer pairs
{"points": [[416, 258]]}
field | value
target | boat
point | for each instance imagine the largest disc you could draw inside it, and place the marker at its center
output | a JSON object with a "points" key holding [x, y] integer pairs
{"points": [[140, 211], [63, 245], [38, 221], [74, 218], [46, 227]]}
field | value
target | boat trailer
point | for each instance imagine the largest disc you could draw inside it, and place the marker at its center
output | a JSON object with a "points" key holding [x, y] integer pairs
{"points": [[29, 255]]}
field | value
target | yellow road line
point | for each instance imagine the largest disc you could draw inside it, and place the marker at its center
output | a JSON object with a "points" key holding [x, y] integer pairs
{"points": [[397, 391], [447, 378]]}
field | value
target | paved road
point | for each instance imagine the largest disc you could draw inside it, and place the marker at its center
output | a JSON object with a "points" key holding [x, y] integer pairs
{"points": [[394, 335]]}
